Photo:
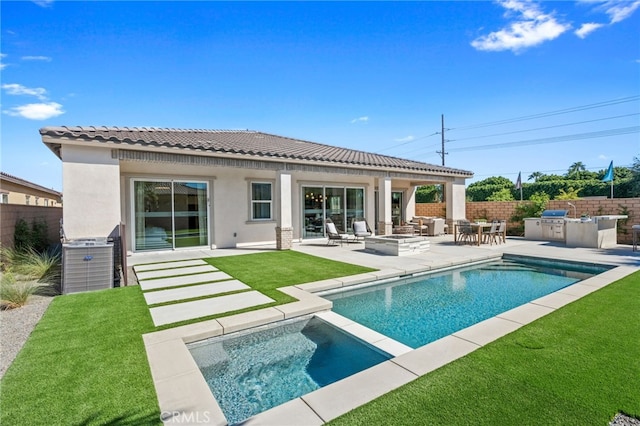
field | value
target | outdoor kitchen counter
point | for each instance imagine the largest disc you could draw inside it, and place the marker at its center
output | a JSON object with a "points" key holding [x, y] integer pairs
{"points": [[599, 232]]}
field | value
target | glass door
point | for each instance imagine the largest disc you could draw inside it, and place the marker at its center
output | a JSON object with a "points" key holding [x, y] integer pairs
{"points": [[170, 214], [334, 207], [313, 212], [396, 208], [190, 214]]}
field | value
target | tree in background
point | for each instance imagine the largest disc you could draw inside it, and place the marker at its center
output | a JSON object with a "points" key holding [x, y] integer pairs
{"points": [[504, 194], [569, 194], [535, 176], [634, 184], [576, 168]]}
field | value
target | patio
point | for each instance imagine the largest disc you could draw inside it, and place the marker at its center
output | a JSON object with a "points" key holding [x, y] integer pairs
{"points": [[182, 382]]}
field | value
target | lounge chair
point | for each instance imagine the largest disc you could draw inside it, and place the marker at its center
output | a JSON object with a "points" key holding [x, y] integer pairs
{"points": [[333, 234], [361, 229]]}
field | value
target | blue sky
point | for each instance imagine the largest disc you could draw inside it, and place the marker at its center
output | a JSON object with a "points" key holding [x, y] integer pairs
{"points": [[523, 86]]}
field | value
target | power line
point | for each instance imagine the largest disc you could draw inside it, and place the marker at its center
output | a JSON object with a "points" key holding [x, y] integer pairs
{"points": [[547, 127], [551, 113], [565, 138]]}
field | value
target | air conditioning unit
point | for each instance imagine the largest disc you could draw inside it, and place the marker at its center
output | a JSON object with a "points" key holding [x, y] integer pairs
{"points": [[87, 264]]}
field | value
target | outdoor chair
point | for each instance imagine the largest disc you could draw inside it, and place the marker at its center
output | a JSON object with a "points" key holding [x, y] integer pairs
{"points": [[333, 234], [502, 228], [361, 229], [490, 236], [466, 232]]}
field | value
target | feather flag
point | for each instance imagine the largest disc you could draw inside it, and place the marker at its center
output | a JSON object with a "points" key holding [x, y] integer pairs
{"points": [[519, 181], [608, 177]]}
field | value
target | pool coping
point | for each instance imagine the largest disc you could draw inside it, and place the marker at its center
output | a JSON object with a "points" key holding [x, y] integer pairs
{"points": [[184, 396]]}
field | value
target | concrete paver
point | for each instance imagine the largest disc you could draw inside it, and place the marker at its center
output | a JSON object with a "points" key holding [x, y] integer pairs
{"points": [[174, 272], [169, 314], [168, 265], [181, 281], [193, 291]]}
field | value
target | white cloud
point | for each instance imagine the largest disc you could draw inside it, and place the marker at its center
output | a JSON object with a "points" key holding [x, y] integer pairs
{"points": [[36, 58], [405, 139], [40, 111], [587, 29], [2, 56], [43, 3], [360, 120], [530, 27], [19, 89], [620, 10]]}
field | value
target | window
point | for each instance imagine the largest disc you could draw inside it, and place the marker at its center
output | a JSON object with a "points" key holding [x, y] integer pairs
{"points": [[27, 199], [46, 202], [261, 201], [5, 198], [37, 199]]}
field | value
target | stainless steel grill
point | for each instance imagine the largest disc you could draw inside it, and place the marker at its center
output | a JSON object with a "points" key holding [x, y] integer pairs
{"points": [[552, 223]]}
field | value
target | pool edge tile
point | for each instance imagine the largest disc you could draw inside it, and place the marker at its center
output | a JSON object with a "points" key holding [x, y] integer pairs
{"points": [[487, 331], [292, 413], [435, 354], [329, 402]]}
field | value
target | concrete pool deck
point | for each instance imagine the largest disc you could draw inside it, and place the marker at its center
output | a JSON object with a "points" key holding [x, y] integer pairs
{"points": [[183, 393]]}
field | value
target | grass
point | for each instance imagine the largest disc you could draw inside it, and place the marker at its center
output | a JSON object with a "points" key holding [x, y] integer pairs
{"points": [[576, 366], [14, 294], [84, 363], [267, 271]]}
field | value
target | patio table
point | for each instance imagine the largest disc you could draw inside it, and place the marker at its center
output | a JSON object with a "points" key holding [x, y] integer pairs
{"points": [[480, 226]]}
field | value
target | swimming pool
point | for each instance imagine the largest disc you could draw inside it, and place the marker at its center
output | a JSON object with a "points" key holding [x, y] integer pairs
{"points": [[250, 372], [419, 310]]}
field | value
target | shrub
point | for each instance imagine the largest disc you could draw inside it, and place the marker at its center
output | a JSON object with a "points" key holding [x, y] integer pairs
{"points": [[13, 293]]}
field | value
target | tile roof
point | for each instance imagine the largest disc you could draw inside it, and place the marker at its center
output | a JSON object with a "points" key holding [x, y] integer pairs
{"points": [[14, 179], [242, 143]]}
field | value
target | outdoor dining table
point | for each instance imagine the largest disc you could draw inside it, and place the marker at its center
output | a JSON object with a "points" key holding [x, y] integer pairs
{"points": [[480, 226]]}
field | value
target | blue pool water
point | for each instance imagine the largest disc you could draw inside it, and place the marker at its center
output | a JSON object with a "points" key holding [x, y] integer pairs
{"points": [[251, 372], [420, 310]]}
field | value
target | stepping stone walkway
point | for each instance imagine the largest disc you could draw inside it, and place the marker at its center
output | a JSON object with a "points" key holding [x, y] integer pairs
{"points": [[189, 279]]}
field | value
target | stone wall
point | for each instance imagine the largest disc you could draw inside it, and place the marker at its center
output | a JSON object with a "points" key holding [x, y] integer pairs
{"points": [[10, 213], [505, 209]]}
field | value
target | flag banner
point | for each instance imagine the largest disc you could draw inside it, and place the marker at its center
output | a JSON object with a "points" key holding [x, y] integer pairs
{"points": [[608, 177], [519, 181]]}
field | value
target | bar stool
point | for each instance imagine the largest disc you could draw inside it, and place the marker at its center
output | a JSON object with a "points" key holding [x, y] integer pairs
{"points": [[635, 229]]}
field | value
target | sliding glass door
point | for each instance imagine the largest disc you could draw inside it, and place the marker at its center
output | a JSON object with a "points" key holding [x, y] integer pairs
{"points": [[341, 205], [170, 214]]}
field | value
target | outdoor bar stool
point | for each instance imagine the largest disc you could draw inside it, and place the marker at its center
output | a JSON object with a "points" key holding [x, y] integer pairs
{"points": [[635, 229]]}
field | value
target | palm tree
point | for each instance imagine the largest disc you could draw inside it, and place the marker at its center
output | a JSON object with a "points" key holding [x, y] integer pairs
{"points": [[535, 176], [576, 168]]}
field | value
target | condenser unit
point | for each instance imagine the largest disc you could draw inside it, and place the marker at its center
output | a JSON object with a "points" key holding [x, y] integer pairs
{"points": [[87, 265]]}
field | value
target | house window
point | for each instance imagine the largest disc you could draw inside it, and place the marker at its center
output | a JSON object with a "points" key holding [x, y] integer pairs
{"points": [[5, 198], [37, 199], [27, 199], [46, 202], [261, 201]]}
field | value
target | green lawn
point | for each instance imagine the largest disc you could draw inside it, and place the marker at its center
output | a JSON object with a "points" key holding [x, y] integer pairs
{"points": [[84, 363], [577, 366]]}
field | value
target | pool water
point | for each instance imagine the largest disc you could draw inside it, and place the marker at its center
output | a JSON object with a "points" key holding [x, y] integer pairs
{"points": [[420, 310], [250, 372]]}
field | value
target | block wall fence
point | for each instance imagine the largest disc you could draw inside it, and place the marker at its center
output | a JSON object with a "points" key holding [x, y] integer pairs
{"points": [[505, 209], [10, 213]]}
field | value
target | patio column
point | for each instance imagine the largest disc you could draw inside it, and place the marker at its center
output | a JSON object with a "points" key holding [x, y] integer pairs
{"points": [[284, 228], [385, 224], [456, 201]]}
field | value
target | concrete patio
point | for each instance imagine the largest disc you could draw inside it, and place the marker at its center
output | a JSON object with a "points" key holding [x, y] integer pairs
{"points": [[181, 388]]}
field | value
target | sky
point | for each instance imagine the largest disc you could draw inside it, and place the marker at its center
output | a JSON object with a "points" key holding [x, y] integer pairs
{"points": [[521, 86]]}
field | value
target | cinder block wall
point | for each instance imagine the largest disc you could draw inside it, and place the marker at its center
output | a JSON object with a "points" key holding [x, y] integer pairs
{"points": [[505, 209], [10, 213]]}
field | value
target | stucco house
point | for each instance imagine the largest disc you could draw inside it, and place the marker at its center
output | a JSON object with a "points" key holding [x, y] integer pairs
{"points": [[176, 188], [14, 190]]}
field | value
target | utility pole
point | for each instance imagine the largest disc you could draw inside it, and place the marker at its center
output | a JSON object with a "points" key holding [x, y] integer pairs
{"points": [[443, 152]]}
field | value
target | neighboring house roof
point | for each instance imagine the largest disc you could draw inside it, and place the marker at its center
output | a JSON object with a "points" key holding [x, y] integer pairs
{"points": [[240, 143], [16, 180]]}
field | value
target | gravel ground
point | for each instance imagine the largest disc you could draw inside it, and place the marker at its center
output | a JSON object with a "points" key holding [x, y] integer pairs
{"points": [[16, 326], [623, 420]]}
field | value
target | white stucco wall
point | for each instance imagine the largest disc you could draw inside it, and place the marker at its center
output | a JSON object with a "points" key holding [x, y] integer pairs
{"points": [[456, 199], [91, 187]]}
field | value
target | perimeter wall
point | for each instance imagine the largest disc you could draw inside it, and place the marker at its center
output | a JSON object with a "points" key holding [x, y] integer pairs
{"points": [[505, 209], [10, 213]]}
